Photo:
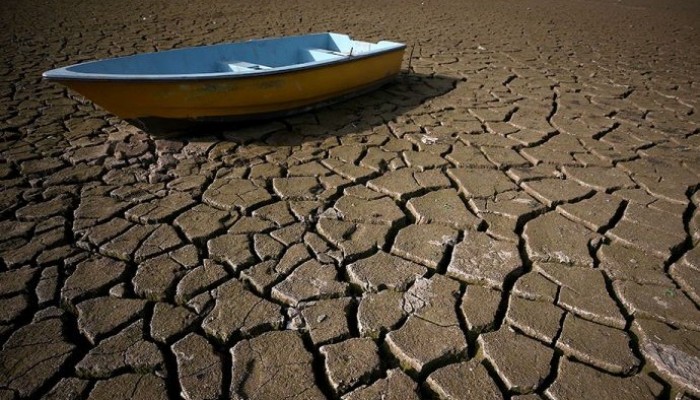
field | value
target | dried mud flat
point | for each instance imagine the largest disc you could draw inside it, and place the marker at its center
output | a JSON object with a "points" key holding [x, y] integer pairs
{"points": [[516, 218]]}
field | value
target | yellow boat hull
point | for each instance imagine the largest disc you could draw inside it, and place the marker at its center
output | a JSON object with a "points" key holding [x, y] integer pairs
{"points": [[238, 97]]}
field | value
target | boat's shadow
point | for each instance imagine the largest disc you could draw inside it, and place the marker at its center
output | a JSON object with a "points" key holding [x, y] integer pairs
{"points": [[357, 114]]}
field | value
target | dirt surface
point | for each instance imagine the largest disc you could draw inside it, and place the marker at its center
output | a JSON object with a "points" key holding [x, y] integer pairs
{"points": [[515, 218]]}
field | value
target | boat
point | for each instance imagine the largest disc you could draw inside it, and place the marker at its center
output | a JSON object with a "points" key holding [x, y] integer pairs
{"points": [[258, 79]]}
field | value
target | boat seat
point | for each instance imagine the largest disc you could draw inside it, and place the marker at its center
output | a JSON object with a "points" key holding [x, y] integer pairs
{"points": [[242, 66], [323, 54]]}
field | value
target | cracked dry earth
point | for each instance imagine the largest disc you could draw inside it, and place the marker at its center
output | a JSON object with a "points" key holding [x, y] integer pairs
{"points": [[516, 218]]}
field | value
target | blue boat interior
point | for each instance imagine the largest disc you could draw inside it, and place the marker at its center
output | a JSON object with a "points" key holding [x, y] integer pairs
{"points": [[239, 58]]}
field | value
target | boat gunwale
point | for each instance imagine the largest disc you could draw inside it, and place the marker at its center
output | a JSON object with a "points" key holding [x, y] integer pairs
{"points": [[95, 77]]}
